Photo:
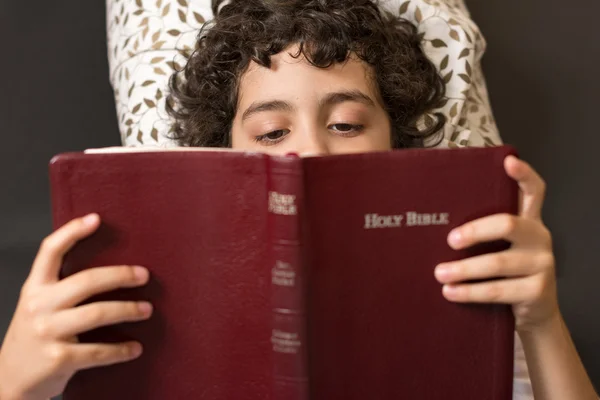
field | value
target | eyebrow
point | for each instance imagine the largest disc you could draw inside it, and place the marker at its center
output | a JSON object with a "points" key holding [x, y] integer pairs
{"points": [[355, 96], [330, 99], [273, 105]]}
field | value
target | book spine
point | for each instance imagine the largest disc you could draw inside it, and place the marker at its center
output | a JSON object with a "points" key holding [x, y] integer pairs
{"points": [[288, 336]]}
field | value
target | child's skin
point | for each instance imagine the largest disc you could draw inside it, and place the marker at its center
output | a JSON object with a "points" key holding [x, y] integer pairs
{"points": [[319, 111]]}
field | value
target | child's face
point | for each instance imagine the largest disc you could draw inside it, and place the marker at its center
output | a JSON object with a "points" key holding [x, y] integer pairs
{"points": [[296, 107]]}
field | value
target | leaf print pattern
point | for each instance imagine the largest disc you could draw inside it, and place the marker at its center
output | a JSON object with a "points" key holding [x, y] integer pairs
{"points": [[448, 40], [149, 39]]}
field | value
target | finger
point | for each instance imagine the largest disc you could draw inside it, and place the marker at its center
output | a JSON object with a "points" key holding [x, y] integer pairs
{"points": [[48, 261], [522, 231], [510, 263], [81, 286], [503, 291], [532, 186], [71, 322], [74, 357]]}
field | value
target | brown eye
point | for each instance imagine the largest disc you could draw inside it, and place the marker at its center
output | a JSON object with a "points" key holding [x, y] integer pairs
{"points": [[346, 129], [272, 137]]}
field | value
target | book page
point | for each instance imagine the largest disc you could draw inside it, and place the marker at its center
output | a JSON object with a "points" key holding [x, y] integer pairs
{"points": [[158, 149], [151, 149]]}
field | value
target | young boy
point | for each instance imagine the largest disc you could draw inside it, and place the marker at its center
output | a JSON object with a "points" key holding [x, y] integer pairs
{"points": [[312, 77]]}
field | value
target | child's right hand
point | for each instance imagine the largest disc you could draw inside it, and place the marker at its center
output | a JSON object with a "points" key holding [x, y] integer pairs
{"points": [[40, 352]]}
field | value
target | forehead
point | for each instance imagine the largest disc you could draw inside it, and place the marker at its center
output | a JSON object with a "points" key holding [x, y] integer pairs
{"points": [[293, 78]]}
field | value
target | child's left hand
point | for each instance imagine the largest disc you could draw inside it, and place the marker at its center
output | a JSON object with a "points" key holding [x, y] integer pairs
{"points": [[527, 269]]}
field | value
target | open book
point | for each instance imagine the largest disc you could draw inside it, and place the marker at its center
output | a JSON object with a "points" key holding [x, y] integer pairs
{"points": [[288, 277]]}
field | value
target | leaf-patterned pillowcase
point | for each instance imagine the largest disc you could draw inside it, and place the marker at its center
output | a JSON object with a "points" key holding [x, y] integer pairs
{"points": [[149, 39]]}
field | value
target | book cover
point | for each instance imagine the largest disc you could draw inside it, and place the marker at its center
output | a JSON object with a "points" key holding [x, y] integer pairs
{"points": [[291, 278]]}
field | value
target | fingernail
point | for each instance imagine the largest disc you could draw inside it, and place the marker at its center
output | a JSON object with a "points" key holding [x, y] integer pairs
{"points": [[455, 237], [443, 272], [450, 291], [136, 350], [140, 273], [145, 308], [90, 219]]}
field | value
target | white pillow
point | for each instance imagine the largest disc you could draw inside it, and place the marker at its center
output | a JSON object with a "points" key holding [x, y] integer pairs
{"points": [[147, 39]]}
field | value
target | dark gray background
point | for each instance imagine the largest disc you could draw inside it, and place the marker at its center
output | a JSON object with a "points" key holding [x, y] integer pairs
{"points": [[541, 67]]}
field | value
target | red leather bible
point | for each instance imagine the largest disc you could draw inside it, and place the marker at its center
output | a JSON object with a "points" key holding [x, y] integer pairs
{"points": [[291, 278]]}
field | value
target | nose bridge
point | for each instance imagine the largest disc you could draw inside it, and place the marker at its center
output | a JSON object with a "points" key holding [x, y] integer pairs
{"points": [[314, 140]]}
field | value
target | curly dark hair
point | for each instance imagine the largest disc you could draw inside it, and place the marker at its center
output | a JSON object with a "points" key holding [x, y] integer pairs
{"points": [[203, 102]]}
